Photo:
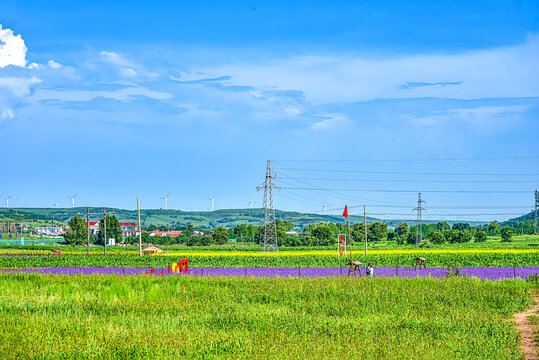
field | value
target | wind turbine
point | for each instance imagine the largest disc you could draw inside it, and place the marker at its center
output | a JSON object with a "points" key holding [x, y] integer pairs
{"points": [[72, 199], [250, 201], [7, 201], [166, 200], [211, 199], [324, 207]]}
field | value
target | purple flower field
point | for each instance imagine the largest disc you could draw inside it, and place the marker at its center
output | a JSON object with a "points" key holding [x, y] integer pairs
{"points": [[484, 273]]}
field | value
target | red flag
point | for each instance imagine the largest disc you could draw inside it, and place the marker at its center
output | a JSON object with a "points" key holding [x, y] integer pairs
{"points": [[345, 213]]}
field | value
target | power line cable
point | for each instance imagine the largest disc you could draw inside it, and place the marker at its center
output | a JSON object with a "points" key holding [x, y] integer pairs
{"points": [[410, 173], [414, 191], [414, 160], [411, 181]]}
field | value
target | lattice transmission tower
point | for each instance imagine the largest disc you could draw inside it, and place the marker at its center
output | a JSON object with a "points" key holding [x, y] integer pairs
{"points": [[268, 229], [535, 212], [419, 228]]}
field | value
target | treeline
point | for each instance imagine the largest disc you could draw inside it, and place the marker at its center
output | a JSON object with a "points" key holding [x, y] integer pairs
{"points": [[320, 234]]}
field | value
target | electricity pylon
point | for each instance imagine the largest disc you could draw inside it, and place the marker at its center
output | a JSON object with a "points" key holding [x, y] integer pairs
{"points": [[419, 228], [268, 229]]}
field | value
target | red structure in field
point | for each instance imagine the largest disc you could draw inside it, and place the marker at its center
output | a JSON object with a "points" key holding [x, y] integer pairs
{"points": [[177, 268]]}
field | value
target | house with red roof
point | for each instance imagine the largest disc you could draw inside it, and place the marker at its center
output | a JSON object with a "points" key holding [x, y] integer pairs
{"points": [[128, 228]]}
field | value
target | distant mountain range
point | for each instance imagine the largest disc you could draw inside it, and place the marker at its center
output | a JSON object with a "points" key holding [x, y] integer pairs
{"points": [[201, 219]]}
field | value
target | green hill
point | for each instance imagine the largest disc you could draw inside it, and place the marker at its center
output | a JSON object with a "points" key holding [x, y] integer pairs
{"points": [[520, 219], [202, 219], [18, 215]]}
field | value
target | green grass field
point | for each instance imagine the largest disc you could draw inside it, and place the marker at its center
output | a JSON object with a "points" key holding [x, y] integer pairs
{"points": [[109, 317]]}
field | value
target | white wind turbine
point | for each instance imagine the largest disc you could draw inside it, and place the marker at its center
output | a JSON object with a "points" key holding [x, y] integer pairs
{"points": [[56, 203], [72, 199], [166, 200], [211, 199], [7, 201]]}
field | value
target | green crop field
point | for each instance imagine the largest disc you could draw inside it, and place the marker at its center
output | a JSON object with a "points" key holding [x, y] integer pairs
{"points": [[386, 260], [111, 317]]}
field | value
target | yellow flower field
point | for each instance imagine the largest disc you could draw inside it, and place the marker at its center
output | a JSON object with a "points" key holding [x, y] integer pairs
{"points": [[287, 253], [358, 251]]}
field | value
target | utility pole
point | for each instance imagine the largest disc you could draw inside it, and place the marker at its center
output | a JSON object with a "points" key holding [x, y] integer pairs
{"points": [[535, 212], [419, 228], [349, 237], [105, 228], [88, 222], [139, 230], [365, 226], [268, 229]]}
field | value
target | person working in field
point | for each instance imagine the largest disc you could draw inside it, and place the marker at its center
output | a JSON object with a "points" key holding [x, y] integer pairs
{"points": [[369, 270]]}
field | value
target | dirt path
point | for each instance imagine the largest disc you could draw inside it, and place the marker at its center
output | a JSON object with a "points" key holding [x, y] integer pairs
{"points": [[527, 343]]}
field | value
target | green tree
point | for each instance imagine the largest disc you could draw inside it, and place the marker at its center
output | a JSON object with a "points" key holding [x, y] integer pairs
{"points": [[114, 230], [323, 234], [461, 226], [507, 233], [411, 238], [480, 236], [77, 234], [466, 236], [377, 231], [357, 231], [442, 225], [402, 232], [146, 238], [494, 227], [205, 240], [220, 235], [436, 237]]}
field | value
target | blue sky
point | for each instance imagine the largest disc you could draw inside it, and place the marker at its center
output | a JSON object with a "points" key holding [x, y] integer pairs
{"points": [[114, 100]]}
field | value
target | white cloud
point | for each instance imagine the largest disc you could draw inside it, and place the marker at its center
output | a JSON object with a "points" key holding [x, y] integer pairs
{"points": [[11, 91], [482, 117], [123, 94], [510, 71], [54, 65], [127, 72], [18, 86], [114, 58], [12, 49], [6, 114], [127, 69], [331, 122]]}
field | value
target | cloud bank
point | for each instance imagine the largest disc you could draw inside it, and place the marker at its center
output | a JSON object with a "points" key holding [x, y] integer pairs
{"points": [[502, 72], [12, 49]]}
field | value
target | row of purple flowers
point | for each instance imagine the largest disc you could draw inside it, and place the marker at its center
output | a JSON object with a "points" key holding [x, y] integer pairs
{"points": [[485, 273]]}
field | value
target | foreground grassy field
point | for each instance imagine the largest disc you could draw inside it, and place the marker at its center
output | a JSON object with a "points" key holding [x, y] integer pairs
{"points": [[71, 317]]}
